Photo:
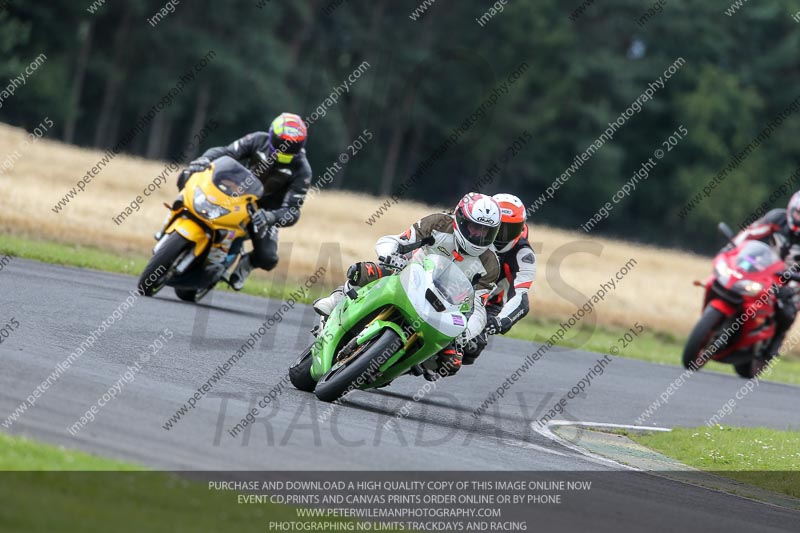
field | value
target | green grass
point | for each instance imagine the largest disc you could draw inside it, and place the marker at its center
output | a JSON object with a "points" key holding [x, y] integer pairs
{"points": [[20, 454], [92, 258], [100, 495], [652, 345], [761, 457]]}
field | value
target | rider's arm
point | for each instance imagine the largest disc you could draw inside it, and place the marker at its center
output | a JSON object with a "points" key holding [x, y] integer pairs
{"points": [[762, 229], [484, 287], [518, 306], [240, 149], [421, 229], [289, 212]]}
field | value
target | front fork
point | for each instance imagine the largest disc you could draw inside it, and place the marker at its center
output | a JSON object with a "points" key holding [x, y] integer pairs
{"points": [[160, 233]]}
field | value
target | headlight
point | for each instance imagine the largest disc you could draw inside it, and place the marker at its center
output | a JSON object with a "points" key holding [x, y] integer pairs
{"points": [[750, 288], [206, 208], [724, 272]]}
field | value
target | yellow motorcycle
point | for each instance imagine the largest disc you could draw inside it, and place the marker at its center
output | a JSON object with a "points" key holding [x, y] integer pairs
{"points": [[205, 231]]}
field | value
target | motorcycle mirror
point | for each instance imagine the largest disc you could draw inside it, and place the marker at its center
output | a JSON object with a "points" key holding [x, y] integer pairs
{"points": [[726, 231]]}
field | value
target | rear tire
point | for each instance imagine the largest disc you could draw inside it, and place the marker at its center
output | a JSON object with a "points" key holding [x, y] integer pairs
{"points": [[300, 372], [699, 338], [162, 265], [192, 295], [342, 380]]}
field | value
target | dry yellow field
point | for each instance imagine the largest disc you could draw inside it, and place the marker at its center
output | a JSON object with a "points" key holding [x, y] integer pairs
{"points": [[657, 292]]}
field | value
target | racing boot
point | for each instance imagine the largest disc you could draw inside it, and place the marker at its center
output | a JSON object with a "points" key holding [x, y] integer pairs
{"points": [[448, 362], [324, 306], [243, 269]]}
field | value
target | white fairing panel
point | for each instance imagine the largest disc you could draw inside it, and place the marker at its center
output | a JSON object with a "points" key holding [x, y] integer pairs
{"points": [[416, 281]]}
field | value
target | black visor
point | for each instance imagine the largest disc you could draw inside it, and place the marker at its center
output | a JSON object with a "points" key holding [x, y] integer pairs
{"points": [[475, 232], [285, 146], [509, 231]]}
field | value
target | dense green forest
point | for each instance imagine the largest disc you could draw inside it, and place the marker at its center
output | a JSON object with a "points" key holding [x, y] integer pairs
{"points": [[449, 89]]}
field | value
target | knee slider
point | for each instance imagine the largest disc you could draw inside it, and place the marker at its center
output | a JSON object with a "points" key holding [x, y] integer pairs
{"points": [[264, 259]]}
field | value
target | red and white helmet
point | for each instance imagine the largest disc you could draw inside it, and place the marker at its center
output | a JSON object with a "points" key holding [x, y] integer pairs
{"points": [[793, 213], [512, 221], [476, 223]]}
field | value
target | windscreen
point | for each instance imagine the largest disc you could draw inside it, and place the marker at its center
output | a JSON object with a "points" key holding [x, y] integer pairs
{"points": [[234, 179], [755, 256], [450, 280]]}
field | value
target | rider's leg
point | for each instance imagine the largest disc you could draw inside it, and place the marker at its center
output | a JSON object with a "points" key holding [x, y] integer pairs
{"points": [[474, 348], [476, 345], [359, 274], [784, 318], [264, 255], [447, 363]]}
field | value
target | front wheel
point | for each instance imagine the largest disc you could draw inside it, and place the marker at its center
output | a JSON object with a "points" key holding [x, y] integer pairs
{"points": [[700, 337], [300, 372], [192, 295], [162, 265], [751, 369], [359, 368]]}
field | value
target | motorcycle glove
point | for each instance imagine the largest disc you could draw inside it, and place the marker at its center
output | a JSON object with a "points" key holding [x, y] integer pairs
{"points": [[261, 220], [497, 326], [395, 261], [199, 165]]}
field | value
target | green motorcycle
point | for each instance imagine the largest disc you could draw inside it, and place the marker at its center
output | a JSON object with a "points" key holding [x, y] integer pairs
{"points": [[387, 328]]}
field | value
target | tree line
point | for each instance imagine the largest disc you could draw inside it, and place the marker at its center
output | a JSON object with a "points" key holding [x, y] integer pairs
{"points": [[108, 65]]}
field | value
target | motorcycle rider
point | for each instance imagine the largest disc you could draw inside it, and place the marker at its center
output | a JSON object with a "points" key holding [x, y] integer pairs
{"points": [[466, 237], [779, 228], [278, 159], [508, 303]]}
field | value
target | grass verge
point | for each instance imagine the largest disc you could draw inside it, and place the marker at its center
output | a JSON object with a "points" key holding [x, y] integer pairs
{"points": [[46, 488], [20, 454], [765, 458], [651, 345], [95, 259]]}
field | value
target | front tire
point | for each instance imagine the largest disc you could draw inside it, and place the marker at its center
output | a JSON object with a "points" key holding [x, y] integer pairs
{"points": [[360, 367], [750, 369], [300, 372], [161, 266], [699, 338], [192, 295]]}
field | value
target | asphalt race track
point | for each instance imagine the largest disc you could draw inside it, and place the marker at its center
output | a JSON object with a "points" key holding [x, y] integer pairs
{"points": [[58, 307]]}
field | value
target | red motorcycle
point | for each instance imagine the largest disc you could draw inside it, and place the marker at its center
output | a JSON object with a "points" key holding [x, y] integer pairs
{"points": [[738, 309]]}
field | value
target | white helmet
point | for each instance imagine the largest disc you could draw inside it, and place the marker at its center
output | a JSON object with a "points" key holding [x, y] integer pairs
{"points": [[477, 221], [793, 213]]}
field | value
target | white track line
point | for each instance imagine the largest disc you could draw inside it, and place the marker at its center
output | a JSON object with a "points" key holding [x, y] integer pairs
{"points": [[529, 446], [606, 425], [547, 433]]}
